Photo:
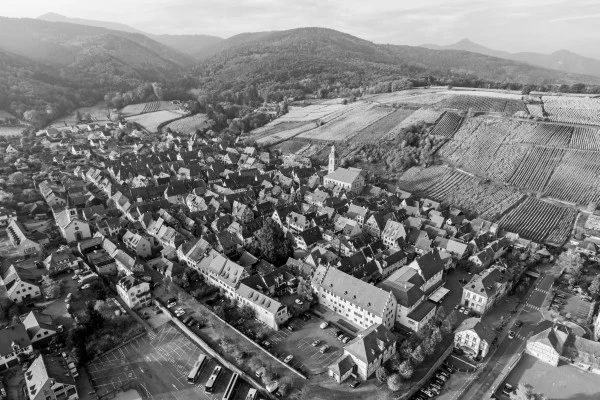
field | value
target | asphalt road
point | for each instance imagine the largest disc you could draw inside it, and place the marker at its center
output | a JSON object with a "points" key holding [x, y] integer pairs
{"points": [[530, 315]]}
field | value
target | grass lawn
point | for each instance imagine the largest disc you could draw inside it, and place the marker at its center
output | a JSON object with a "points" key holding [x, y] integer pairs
{"points": [[562, 382]]}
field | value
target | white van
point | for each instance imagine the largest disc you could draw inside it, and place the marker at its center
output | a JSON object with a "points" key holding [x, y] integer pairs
{"points": [[69, 297]]}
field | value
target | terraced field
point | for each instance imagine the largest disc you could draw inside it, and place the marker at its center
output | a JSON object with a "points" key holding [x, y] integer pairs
{"points": [[585, 138], [483, 104], [447, 125], [144, 108], [535, 170], [540, 221]]}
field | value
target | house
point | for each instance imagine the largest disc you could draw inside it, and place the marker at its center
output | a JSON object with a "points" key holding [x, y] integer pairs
{"points": [[352, 298], [48, 378], [21, 239], [19, 284], [485, 289], [413, 311], [40, 327], [587, 248], [14, 340], [191, 252], [134, 292], [269, 311], [548, 345], [10, 149], [490, 253], [6, 215], [363, 355], [102, 262], [474, 337], [242, 212], [308, 238], [220, 271], [137, 243], [59, 261], [72, 228], [431, 269], [297, 222], [392, 232], [358, 214]]}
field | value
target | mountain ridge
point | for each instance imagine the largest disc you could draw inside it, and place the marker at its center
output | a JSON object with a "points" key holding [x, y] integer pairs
{"points": [[561, 60]]}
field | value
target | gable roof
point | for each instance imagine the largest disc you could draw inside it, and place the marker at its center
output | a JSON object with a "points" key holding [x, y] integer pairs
{"points": [[405, 284], [16, 334], [429, 264], [370, 343], [483, 331]]}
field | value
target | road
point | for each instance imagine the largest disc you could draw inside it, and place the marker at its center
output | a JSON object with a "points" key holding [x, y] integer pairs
{"points": [[530, 315]]}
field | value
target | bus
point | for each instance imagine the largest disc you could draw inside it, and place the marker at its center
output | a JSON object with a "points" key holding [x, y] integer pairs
{"points": [[212, 381], [233, 383], [251, 394], [195, 372]]}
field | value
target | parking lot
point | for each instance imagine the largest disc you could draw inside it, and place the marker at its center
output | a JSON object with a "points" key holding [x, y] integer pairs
{"points": [[160, 363], [572, 304], [298, 343]]}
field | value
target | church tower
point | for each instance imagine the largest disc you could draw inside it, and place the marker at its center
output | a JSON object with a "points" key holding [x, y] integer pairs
{"points": [[332, 161]]}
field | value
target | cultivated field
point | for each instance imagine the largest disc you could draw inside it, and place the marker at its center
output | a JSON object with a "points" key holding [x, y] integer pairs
{"points": [[422, 115], [151, 121], [11, 130], [189, 124], [576, 110], [418, 179], [535, 170], [483, 104], [585, 138], [425, 97], [142, 108], [286, 134], [99, 113], [347, 125], [540, 221], [577, 178], [382, 127]]}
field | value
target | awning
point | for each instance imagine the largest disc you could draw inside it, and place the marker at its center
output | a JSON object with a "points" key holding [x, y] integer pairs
{"points": [[468, 350], [439, 294]]}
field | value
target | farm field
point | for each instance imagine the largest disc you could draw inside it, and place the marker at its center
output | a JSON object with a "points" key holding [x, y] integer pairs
{"points": [[585, 138], [189, 124], [151, 121], [576, 110], [11, 130], [99, 113], [483, 104], [382, 127], [447, 125], [422, 115], [291, 146], [142, 108], [347, 125], [273, 128], [426, 97], [540, 221], [314, 112], [547, 134], [287, 134]]}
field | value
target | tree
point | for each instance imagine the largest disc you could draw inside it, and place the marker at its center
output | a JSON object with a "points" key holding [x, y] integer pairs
{"points": [[527, 89], [428, 346], [417, 355], [274, 246], [51, 288], [394, 382], [594, 288], [247, 312], [406, 369], [305, 290], [382, 374], [525, 392], [95, 319]]}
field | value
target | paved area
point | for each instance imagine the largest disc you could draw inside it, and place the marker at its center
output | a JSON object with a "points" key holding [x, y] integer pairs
{"points": [[160, 363], [562, 382]]}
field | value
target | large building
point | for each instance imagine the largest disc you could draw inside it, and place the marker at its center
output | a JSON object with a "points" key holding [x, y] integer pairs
{"points": [[484, 290], [266, 309], [40, 327], [356, 300], [363, 355], [548, 345], [474, 337], [349, 179], [134, 292], [413, 310], [22, 240], [19, 285], [48, 379], [72, 228], [14, 340], [220, 271], [430, 267]]}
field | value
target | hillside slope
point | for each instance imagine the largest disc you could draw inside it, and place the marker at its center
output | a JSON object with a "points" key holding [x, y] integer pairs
{"points": [[115, 26], [562, 60], [324, 55]]}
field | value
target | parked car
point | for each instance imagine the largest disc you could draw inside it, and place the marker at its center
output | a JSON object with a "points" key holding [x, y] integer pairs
{"points": [[86, 286], [288, 359], [69, 297], [466, 311], [511, 334], [456, 307], [316, 343], [355, 384], [518, 323], [345, 339], [289, 327], [442, 372], [324, 325], [172, 302], [266, 344], [299, 302], [324, 349], [441, 377], [461, 310], [507, 389], [304, 317], [447, 368]]}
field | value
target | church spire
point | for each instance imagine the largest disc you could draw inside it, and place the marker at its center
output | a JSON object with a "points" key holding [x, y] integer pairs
{"points": [[332, 160]]}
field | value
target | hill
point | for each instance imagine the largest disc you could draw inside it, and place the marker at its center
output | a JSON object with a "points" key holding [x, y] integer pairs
{"points": [[115, 26], [562, 60], [301, 59]]}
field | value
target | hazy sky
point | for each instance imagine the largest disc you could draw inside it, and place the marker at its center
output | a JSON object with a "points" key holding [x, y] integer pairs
{"points": [[532, 25]]}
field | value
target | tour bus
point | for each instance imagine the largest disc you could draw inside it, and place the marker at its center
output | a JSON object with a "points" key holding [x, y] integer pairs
{"points": [[212, 381], [195, 372], [251, 394], [231, 387]]}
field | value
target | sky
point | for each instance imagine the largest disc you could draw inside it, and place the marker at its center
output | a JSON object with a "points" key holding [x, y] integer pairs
{"points": [[509, 25]]}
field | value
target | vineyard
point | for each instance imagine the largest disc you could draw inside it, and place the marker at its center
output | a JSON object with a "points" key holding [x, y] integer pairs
{"points": [[585, 139], [483, 104], [575, 110], [540, 221], [345, 126], [548, 134], [576, 179], [447, 125], [536, 168], [145, 108], [315, 112], [382, 127], [189, 124], [413, 97]]}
